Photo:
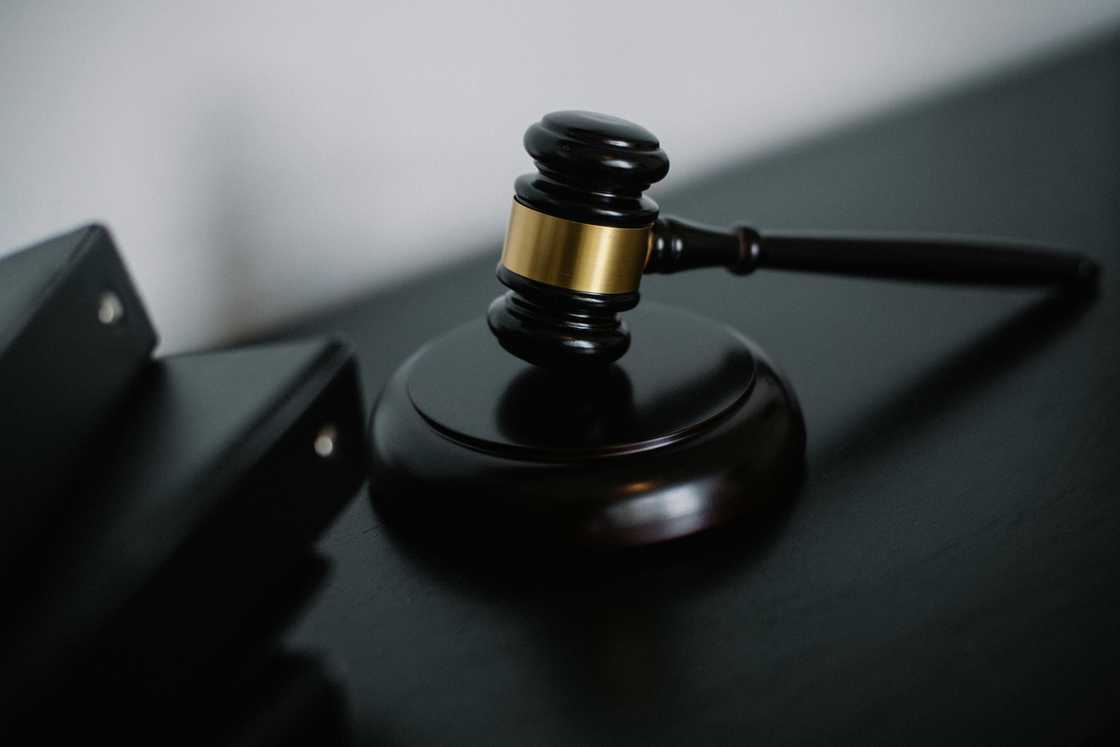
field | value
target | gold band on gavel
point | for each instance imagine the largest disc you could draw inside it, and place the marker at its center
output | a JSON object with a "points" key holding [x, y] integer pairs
{"points": [[578, 256]]}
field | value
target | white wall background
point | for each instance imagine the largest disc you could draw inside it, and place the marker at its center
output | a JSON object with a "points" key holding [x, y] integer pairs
{"points": [[259, 159]]}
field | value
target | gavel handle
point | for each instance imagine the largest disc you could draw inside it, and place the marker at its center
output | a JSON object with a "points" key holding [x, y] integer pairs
{"points": [[680, 245]]}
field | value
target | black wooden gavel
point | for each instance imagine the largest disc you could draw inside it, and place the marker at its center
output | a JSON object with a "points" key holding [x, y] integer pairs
{"points": [[582, 233]]}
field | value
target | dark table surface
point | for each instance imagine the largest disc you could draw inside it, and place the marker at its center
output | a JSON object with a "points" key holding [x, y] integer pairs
{"points": [[950, 569]]}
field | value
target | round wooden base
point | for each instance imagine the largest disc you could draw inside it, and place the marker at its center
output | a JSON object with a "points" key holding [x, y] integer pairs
{"points": [[692, 429]]}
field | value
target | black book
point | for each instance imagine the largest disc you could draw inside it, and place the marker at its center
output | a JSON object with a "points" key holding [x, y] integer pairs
{"points": [[210, 487], [74, 336]]}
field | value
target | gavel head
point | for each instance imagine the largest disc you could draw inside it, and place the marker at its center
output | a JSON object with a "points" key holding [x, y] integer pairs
{"points": [[578, 240]]}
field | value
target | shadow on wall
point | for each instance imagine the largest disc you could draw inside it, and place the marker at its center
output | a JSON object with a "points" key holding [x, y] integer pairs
{"points": [[268, 221]]}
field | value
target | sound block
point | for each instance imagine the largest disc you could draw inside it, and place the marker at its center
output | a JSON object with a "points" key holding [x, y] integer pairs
{"points": [[693, 428]]}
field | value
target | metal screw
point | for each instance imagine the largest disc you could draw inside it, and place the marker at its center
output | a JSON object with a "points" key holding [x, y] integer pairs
{"points": [[110, 310], [326, 441]]}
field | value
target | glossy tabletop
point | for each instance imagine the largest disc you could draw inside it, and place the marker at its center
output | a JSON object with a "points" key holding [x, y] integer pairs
{"points": [[950, 568]]}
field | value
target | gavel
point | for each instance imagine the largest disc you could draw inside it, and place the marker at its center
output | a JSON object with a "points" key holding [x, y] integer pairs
{"points": [[582, 233]]}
